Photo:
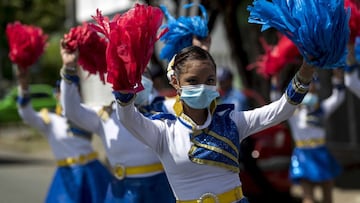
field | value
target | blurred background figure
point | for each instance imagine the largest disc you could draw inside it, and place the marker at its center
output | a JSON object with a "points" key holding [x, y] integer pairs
{"points": [[351, 76], [228, 93], [79, 176], [312, 164]]}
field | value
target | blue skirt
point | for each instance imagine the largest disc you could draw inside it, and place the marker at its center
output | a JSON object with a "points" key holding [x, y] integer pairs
{"points": [[153, 189], [313, 164], [79, 183]]}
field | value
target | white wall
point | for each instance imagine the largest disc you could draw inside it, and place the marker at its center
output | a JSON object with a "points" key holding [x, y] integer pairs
{"points": [[86, 8]]}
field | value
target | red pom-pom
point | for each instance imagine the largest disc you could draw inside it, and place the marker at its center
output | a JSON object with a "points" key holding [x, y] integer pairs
{"points": [[354, 22], [26, 43], [276, 57], [132, 37], [91, 48]]}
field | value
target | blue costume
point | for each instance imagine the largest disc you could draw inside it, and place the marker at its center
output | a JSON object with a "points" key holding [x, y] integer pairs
{"points": [[79, 177], [311, 159], [201, 161], [138, 175]]}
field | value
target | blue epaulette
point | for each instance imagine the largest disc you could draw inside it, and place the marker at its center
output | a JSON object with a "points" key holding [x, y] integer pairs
{"points": [[223, 107], [163, 116]]}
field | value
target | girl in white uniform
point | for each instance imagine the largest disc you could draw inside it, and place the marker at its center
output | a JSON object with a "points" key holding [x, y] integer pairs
{"points": [[311, 162], [79, 177], [199, 146], [138, 173], [352, 81]]}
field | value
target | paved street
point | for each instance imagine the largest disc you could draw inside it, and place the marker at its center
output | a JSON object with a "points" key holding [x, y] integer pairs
{"points": [[24, 182]]}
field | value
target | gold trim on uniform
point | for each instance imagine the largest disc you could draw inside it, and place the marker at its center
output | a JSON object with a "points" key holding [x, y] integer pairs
{"points": [[315, 142], [217, 136], [291, 101], [105, 112], [121, 171], [212, 148], [229, 196], [215, 163], [44, 114], [82, 159]]}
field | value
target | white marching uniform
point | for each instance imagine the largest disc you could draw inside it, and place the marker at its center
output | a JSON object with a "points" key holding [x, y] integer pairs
{"points": [[122, 149], [79, 176], [302, 130], [62, 144], [170, 139], [352, 82], [311, 160]]}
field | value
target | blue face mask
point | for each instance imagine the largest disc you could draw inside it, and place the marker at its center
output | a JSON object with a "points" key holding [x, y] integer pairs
{"points": [[199, 96], [310, 100], [143, 97]]}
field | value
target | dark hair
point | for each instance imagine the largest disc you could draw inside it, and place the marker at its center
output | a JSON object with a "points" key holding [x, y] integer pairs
{"points": [[190, 53], [155, 71], [223, 73]]}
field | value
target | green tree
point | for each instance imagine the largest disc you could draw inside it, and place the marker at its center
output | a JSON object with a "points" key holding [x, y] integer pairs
{"points": [[50, 16]]}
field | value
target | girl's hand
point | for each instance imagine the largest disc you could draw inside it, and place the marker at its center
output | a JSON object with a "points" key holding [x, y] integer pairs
{"points": [[202, 43], [306, 72], [69, 58]]}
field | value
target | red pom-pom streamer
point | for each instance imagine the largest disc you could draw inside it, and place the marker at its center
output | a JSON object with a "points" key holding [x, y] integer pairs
{"points": [[354, 22], [131, 37], [26, 43], [91, 47], [275, 57]]}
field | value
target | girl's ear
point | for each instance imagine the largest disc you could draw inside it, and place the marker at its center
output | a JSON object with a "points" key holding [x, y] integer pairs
{"points": [[174, 83]]}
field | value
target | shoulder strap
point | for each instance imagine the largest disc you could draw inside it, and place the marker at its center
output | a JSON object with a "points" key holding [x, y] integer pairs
{"points": [[105, 112], [44, 114]]}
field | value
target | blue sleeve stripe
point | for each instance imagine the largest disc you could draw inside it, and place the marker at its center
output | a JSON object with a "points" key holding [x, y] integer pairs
{"points": [[123, 99], [22, 101], [72, 78], [295, 92]]}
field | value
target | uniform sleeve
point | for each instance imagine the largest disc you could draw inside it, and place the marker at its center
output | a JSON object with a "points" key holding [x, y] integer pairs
{"points": [[330, 104], [79, 114], [250, 122], [150, 132], [352, 82], [32, 118], [253, 121]]}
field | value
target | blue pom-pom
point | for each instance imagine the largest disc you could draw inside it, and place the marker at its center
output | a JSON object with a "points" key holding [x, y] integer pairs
{"points": [[357, 49], [319, 28], [181, 31]]}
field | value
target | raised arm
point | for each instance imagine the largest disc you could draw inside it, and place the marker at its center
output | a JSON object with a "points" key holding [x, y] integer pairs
{"points": [[250, 122], [352, 81], [330, 104], [25, 110], [150, 132], [70, 96]]}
